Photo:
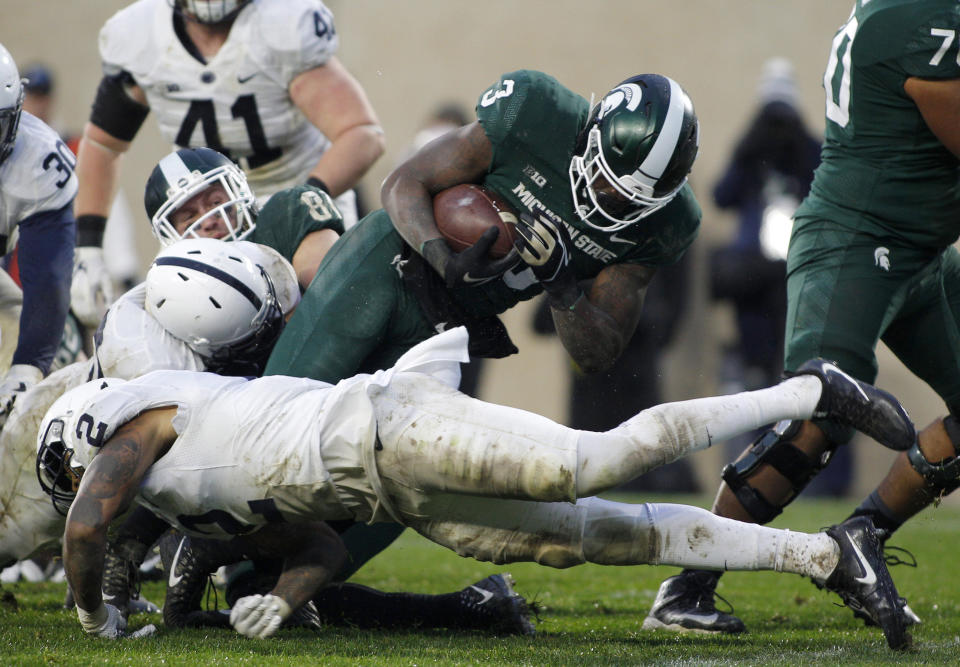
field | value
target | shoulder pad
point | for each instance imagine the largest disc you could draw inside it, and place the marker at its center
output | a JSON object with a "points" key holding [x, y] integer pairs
{"points": [[128, 40], [293, 35]]}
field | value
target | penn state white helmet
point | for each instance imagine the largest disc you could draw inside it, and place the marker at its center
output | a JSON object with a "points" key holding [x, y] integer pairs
{"points": [[211, 295], [11, 102]]}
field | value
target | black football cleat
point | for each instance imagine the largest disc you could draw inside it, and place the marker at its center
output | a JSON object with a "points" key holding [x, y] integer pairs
{"points": [[497, 607], [862, 580], [685, 603], [121, 579], [188, 564], [871, 411]]}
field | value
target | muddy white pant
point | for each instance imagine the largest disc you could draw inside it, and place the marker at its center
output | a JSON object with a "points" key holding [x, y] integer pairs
{"points": [[501, 484]]}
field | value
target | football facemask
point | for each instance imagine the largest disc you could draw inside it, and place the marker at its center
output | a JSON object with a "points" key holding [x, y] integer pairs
{"points": [[639, 147]]}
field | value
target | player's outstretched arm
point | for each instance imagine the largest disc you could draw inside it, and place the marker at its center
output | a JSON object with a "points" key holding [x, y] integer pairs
{"points": [[107, 489]]}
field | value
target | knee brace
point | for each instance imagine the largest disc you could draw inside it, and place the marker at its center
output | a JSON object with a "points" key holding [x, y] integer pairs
{"points": [[774, 448], [944, 475]]}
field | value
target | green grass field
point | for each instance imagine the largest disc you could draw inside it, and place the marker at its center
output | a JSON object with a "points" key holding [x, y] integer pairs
{"points": [[590, 615]]}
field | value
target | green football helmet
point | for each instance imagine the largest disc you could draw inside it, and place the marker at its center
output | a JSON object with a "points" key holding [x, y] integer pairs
{"points": [[183, 174], [635, 152]]}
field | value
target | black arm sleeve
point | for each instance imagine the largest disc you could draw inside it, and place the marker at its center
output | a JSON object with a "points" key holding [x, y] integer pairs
{"points": [[114, 111]]}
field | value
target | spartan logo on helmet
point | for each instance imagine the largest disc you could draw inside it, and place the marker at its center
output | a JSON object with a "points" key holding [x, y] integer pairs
{"points": [[185, 174], [11, 102], [635, 152], [627, 93]]}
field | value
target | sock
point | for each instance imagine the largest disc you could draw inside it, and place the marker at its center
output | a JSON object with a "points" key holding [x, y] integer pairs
{"points": [[882, 516], [667, 432]]}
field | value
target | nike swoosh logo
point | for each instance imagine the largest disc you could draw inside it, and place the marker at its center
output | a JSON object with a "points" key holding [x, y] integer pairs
{"points": [[174, 577], [830, 368], [467, 278], [869, 577], [244, 79], [486, 594], [614, 237]]}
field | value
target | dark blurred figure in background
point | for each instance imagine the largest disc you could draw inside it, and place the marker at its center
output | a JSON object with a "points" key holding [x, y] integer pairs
{"points": [[767, 177], [601, 401]]}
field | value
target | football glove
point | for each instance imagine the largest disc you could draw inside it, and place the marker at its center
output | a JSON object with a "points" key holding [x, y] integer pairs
{"points": [[473, 266], [91, 291], [18, 379], [542, 245], [259, 616], [109, 623]]}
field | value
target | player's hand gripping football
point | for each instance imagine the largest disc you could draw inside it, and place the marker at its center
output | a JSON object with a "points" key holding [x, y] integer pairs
{"points": [[543, 246], [473, 266], [18, 379], [91, 291]]}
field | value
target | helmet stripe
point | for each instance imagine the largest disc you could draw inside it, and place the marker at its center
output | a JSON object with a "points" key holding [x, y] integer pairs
{"points": [[173, 168], [213, 272], [659, 156]]}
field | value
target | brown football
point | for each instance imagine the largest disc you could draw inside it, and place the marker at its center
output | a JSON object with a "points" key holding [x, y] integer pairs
{"points": [[464, 212]]}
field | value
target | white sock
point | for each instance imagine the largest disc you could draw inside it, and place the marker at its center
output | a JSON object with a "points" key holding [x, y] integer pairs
{"points": [[667, 432], [691, 537]]}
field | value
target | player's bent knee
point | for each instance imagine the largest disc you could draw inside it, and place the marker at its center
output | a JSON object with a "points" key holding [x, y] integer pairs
{"points": [[774, 448], [943, 475]]}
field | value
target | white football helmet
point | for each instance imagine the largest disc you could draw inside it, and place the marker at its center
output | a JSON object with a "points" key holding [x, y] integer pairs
{"points": [[210, 295], [64, 431], [210, 11], [11, 102]]}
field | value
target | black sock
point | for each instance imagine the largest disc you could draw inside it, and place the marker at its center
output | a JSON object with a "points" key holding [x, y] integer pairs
{"points": [[363, 607], [882, 516]]}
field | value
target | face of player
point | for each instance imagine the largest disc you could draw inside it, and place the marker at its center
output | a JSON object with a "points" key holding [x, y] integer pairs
{"points": [[204, 203]]}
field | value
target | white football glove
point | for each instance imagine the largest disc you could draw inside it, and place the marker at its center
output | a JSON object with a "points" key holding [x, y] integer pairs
{"points": [[18, 379], [259, 616], [109, 623], [91, 291]]}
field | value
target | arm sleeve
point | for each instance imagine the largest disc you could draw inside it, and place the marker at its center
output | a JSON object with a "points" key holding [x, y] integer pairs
{"points": [[46, 269]]}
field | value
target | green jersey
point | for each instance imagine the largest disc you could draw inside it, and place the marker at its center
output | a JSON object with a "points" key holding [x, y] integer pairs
{"points": [[883, 170], [533, 123], [291, 214]]}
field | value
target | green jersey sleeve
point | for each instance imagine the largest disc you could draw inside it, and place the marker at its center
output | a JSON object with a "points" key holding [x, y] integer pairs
{"points": [[291, 214]]}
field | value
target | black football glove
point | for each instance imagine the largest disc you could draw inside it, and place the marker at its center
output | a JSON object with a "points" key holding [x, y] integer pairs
{"points": [[542, 245], [472, 266]]}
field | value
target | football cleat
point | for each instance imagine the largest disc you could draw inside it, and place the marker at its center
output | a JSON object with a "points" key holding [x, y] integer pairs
{"points": [[121, 582], [871, 411], [685, 603], [497, 607], [188, 564], [862, 580]]}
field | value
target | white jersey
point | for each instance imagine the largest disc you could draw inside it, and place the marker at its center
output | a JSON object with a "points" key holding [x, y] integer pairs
{"points": [[239, 102], [130, 343], [273, 448], [37, 176]]}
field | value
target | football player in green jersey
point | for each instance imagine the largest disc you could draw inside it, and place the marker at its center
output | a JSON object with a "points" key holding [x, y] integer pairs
{"points": [[870, 259], [604, 201]]}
